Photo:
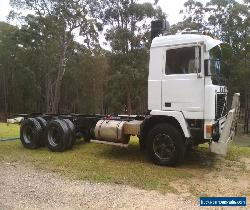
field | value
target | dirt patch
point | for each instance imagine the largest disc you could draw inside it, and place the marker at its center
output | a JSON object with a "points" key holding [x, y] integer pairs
{"points": [[247, 163], [222, 178], [26, 187]]}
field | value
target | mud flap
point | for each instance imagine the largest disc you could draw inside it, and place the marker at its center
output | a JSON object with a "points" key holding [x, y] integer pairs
{"points": [[229, 128]]}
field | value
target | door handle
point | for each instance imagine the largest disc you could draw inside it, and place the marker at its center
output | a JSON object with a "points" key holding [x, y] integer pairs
{"points": [[167, 104]]}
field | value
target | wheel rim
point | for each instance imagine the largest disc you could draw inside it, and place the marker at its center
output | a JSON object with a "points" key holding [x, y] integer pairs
{"points": [[53, 137], [163, 146], [27, 134]]}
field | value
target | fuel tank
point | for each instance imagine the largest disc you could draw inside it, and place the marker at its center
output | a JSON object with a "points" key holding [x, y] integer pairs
{"points": [[111, 130]]}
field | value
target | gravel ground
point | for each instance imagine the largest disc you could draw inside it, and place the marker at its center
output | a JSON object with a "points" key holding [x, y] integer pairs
{"points": [[25, 187]]}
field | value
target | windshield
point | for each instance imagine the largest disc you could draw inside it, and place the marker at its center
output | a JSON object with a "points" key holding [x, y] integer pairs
{"points": [[216, 68], [217, 72]]}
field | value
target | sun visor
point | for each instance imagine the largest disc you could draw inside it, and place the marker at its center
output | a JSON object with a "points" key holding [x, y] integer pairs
{"points": [[211, 43]]}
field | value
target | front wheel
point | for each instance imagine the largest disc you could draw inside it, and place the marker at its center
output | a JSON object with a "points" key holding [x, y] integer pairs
{"points": [[166, 145]]}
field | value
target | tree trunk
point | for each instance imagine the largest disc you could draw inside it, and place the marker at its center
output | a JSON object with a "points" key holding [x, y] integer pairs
{"points": [[60, 73], [48, 81], [95, 98], [48, 93], [129, 103], [5, 96]]}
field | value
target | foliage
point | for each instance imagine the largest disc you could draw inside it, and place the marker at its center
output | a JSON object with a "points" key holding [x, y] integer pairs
{"points": [[44, 69], [58, 21], [128, 35], [85, 77]]}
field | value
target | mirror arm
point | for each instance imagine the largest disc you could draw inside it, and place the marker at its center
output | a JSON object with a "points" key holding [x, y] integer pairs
{"points": [[197, 62]]}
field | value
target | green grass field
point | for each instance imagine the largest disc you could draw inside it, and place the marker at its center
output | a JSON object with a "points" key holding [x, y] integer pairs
{"points": [[111, 164], [8, 131]]}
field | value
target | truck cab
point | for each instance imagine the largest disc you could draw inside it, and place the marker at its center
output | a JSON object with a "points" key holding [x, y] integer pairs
{"points": [[185, 81]]}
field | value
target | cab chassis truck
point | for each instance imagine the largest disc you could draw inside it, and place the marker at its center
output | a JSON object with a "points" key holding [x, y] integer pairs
{"points": [[187, 105]]}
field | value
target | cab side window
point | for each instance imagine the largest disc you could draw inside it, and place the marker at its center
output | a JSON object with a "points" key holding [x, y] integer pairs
{"points": [[182, 60]]}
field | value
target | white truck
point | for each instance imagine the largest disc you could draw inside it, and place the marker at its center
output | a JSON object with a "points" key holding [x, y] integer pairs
{"points": [[187, 105]]}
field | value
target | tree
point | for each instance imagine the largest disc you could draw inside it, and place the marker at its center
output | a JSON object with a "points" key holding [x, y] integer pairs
{"points": [[194, 13], [128, 35], [15, 72], [62, 19], [7, 48], [84, 84]]}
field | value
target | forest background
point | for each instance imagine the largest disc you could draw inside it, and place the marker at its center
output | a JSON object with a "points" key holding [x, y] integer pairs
{"points": [[43, 68]]}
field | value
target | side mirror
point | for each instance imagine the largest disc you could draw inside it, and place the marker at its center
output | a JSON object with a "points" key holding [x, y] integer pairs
{"points": [[159, 27]]}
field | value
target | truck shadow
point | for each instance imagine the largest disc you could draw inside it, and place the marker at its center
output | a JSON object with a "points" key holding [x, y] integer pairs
{"points": [[200, 157], [196, 158]]}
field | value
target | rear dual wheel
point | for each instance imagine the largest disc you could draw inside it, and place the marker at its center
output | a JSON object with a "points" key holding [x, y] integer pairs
{"points": [[57, 135], [43, 124], [60, 135], [72, 135], [31, 133]]}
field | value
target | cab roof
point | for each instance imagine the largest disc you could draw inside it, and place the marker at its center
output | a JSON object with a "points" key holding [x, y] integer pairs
{"points": [[179, 39]]}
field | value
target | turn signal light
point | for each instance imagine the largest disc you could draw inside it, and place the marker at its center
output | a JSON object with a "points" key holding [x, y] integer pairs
{"points": [[209, 131]]}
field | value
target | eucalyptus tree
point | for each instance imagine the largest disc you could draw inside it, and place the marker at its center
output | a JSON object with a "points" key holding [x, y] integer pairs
{"points": [[7, 49], [128, 27], [62, 21], [194, 14], [18, 79]]}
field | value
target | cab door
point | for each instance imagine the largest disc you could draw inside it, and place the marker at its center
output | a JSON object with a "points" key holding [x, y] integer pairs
{"points": [[182, 80]]}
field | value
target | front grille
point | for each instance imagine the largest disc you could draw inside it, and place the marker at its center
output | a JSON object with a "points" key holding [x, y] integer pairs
{"points": [[221, 105]]}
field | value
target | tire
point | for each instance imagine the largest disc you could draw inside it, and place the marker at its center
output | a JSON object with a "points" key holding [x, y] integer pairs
{"points": [[189, 147], [57, 135], [72, 138], [30, 133], [43, 124], [142, 144], [165, 145]]}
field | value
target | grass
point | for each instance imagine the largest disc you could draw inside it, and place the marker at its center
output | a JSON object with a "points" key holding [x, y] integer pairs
{"points": [[98, 163], [110, 164], [94, 162], [236, 152], [8, 131]]}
